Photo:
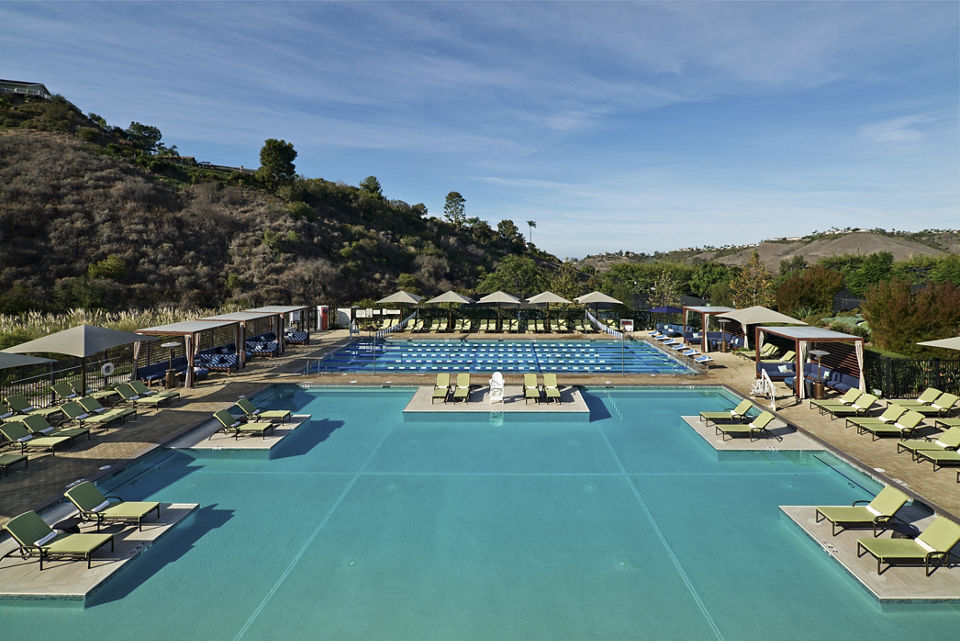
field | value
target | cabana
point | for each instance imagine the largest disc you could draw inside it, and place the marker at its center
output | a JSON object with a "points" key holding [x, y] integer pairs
{"points": [[705, 312], [758, 315], [282, 312], [190, 331], [847, 353], [242, 318]]}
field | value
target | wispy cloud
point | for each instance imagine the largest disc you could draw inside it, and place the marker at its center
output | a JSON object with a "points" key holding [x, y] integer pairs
{"points": [[905, 128]]}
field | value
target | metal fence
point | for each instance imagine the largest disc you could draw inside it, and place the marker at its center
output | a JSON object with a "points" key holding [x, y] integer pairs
{"points": [[908, 377]]}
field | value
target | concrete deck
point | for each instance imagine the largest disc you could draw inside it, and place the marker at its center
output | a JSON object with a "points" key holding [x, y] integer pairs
{"points": [[899, 583], [207, 437], [71, 580], [571, 402], [790, 439]]}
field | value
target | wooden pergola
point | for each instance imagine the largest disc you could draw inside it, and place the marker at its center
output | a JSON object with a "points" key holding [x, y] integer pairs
{"points": [[804, 337], [705, 311]]}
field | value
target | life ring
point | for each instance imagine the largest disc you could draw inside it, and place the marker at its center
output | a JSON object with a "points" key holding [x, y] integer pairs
{"points": [[107, 369]]}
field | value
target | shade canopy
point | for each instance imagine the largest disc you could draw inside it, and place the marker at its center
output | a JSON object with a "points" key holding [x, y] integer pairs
{"points": [[597, 298], [80, 341], [500, 298], [450, 297], [19, 360], [760, 314], [666, 309], [400, 298], [548, 298], [944, 343]]}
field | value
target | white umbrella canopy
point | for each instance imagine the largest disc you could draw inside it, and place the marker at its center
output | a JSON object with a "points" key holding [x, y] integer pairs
{"points": [[597, 298], [944, 343], [451, 297], [400, 298], [547, 298], [500, 298]]}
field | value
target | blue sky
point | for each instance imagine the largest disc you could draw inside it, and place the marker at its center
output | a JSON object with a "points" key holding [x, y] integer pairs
{"points": [[634, 126]]}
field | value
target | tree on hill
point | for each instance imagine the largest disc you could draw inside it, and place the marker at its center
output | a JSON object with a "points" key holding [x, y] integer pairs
{"points": [[144, 137], [276, 162], [531, 224], [753, 285], [518, 275], [453, 208], [371, 185], [666, 290]]}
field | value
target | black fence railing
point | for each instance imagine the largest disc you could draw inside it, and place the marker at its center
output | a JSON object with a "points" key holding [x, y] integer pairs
{"points": [[908, 377]]}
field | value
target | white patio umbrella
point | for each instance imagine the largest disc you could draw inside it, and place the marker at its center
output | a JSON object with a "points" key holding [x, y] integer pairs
{"points": [[597, 299], [452, 298], [547, 298], [943, 343], [400, 298], [500, 298]]}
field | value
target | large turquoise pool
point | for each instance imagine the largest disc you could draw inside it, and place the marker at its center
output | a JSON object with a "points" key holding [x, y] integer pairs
{"points": [[368, 527]]}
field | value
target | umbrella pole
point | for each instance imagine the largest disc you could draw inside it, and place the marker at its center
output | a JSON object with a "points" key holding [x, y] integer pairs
{"points": [[83, 376]]}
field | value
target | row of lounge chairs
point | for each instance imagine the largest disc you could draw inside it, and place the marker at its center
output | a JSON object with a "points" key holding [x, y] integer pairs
{"points": [[252, 420], [738, 421], [681, 348], [532, 388]]}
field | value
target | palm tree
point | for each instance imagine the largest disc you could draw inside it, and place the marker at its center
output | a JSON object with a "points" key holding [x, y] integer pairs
{"points": [[531, 224]]}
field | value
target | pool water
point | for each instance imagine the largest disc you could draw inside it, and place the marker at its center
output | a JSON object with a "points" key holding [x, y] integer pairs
{"points": [[602, 356], [369, 527]]}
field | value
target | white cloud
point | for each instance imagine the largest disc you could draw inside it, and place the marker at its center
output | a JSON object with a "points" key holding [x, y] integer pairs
{"points": [[902, 129]]}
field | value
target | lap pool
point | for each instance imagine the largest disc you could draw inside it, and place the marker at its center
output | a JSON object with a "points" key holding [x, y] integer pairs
{"points": [[368, 526], [601, 356]]}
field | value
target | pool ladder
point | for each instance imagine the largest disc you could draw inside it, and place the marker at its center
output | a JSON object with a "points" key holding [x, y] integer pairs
{"points": [[496, 417]]}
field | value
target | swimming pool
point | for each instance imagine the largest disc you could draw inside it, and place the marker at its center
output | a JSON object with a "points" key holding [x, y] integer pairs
{"points": [[603, 356], [365, 526]]}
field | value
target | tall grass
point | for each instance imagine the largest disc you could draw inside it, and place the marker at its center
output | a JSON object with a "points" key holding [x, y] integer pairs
{"points": [[20, 328]]}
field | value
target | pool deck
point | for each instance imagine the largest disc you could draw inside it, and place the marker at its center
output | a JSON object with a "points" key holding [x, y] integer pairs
{"points": [[71, 580], [790, 439], [571, 402], [899, 583], [208, 437]]}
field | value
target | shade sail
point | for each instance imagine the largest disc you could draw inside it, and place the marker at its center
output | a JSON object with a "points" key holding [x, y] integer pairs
{"points": [[400, 298], [80, 341], [548, 298], [759, 314], [945, 343], [19, 360], [500, 298], [597, 298], [451, 297]]}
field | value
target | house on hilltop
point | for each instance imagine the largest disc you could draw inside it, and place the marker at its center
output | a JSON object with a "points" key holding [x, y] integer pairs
{"points": [[24, 88]]}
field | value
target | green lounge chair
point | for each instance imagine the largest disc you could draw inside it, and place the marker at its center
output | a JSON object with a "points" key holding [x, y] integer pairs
{"points": [[128, 394], [788, 357], [99, 394], [94, 408], [929, 395], [846, 400], [141, 388], [931, 547], [75, 412], [947, 422], [946, 404], [863, 404], [17, 434], [949, 440], [231, 424], [902, 428], [8, 459], [64, 391], [38, 426], [18, 403], [939, 458], [463, 388], [888, 417], [736, 414], [254, 413], [514, 325], [757, 427], [35, 538], [531, 390], [878, 513], [769, 350], [94, 506], [550, 388], [441, 388]]}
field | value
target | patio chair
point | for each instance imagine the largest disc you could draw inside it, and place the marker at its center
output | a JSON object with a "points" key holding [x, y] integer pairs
{"points": [[939, 458], [845, 400], [755, 428], [946, 404], [514, 325], [94, 408], [35, 538], [949, 440], [8, 459], [140, 388], [64, 391], [550, 388], [888, 417], [75, 412], [130, 395], [441, 389], [17, 434], [38, 426], [100, 394], [929, 395], [904, 426], [878, 513], [254, 413], [931, 547], [94, 506], [863, 404], [19, 404], [947, 423], [462, 390], [788, 357], [734, 414], [229, 424], [531, 390], [703, 359]]}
